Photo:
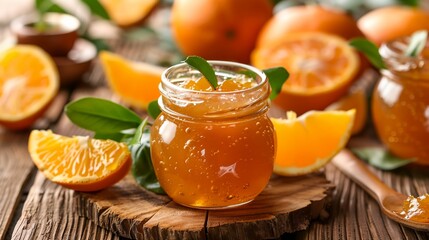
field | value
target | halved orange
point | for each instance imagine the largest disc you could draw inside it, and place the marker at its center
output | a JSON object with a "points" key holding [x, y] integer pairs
{"points": [[354, 100], [307, 143], [28, 83], [135, 82], [79, 162], [321, 66], [126, 13]]}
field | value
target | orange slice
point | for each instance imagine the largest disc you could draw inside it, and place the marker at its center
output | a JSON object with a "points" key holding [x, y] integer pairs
{"points": [[308, 143], [79, 163], [126, 13], [321, 67], [135, 82], [28, 83], [354, 100]]}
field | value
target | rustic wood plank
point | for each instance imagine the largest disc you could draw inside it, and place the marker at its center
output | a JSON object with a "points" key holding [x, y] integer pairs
{"points": [[49, 214], [286, 205], [14, 172]]}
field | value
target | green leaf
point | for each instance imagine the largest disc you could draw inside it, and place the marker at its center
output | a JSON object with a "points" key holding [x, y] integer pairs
{"points": [[142, 168], [153, 109], [101, 116], [96, 8], [370, 50], [276, 77], [204, 67], [380, 158], [112, 136], [45, 6], [411, 3], [417, 43]]}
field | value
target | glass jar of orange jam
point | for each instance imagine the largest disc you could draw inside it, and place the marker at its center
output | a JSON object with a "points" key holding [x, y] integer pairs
{"points": [[400, 104], [213, 149]]}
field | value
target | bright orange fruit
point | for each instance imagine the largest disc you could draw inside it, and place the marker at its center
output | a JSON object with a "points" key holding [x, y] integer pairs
{"points": [[219, 29], [79, 163], [307, 18], [135, 82], [321, 66], [307, 143], [354, 100], [28, 83], [127, 13], [388, 23]]}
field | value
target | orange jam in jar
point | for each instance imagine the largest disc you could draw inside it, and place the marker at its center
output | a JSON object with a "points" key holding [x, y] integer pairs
{"points": [[400, 104], [213, 148]]}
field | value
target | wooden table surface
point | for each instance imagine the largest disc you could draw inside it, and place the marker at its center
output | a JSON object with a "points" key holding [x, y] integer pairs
{"points": [[31, 207]]}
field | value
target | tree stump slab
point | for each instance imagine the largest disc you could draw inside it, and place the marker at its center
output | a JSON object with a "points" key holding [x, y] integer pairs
{"points": [[287, 204]]}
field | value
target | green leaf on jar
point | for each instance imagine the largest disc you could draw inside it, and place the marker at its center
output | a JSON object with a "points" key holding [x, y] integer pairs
{"points": [[153, 109], [417, 43], [380, 158], [204, 68], [276, 77], [142, 168], [370, 50], [101, 116]]}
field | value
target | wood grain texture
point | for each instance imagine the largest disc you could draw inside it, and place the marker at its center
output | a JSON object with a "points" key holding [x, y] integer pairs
{"points": [[288, 204], [49, 213], [14, 171]]}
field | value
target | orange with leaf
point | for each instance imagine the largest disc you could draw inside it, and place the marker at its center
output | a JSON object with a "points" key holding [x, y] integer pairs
{"points": [[28, 83]]}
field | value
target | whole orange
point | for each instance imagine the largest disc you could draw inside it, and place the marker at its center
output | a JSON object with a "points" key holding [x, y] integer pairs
{"points": [[219, 29], [387, 23], [307, 19]]}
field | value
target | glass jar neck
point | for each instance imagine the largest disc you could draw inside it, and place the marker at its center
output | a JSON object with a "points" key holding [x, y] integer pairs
{"points": [[210, 106], [404, 67]]}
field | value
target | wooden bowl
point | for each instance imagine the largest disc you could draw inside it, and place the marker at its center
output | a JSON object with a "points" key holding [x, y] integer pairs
{"points": [[58, 39], [77, 62]]}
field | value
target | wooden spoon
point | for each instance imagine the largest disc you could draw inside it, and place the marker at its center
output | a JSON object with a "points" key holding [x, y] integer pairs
{"points": [[390, 201]]}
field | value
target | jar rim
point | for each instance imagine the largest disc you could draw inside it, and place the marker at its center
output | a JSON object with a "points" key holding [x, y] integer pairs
{"points": [[171, 85], [397, 47]]}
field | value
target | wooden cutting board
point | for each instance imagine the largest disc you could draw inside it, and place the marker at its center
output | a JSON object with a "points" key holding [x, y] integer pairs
{"points": [[287, 204]]}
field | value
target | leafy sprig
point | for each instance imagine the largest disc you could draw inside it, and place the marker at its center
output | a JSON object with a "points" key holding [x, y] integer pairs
{"points": [[109, 120]]}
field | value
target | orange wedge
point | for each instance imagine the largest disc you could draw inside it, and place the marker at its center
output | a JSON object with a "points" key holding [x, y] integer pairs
{"points": [[126, 13], [354, 100], [307, 143], [79, 163], [135, 82], [28, 83], [321, 66]]}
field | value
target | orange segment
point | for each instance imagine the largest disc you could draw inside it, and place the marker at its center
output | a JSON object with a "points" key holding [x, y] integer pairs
{"points": [[128, 12], [321, 66], [135, 82], [354, 100], [79, 163], [28, 82], [307, 143]]}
